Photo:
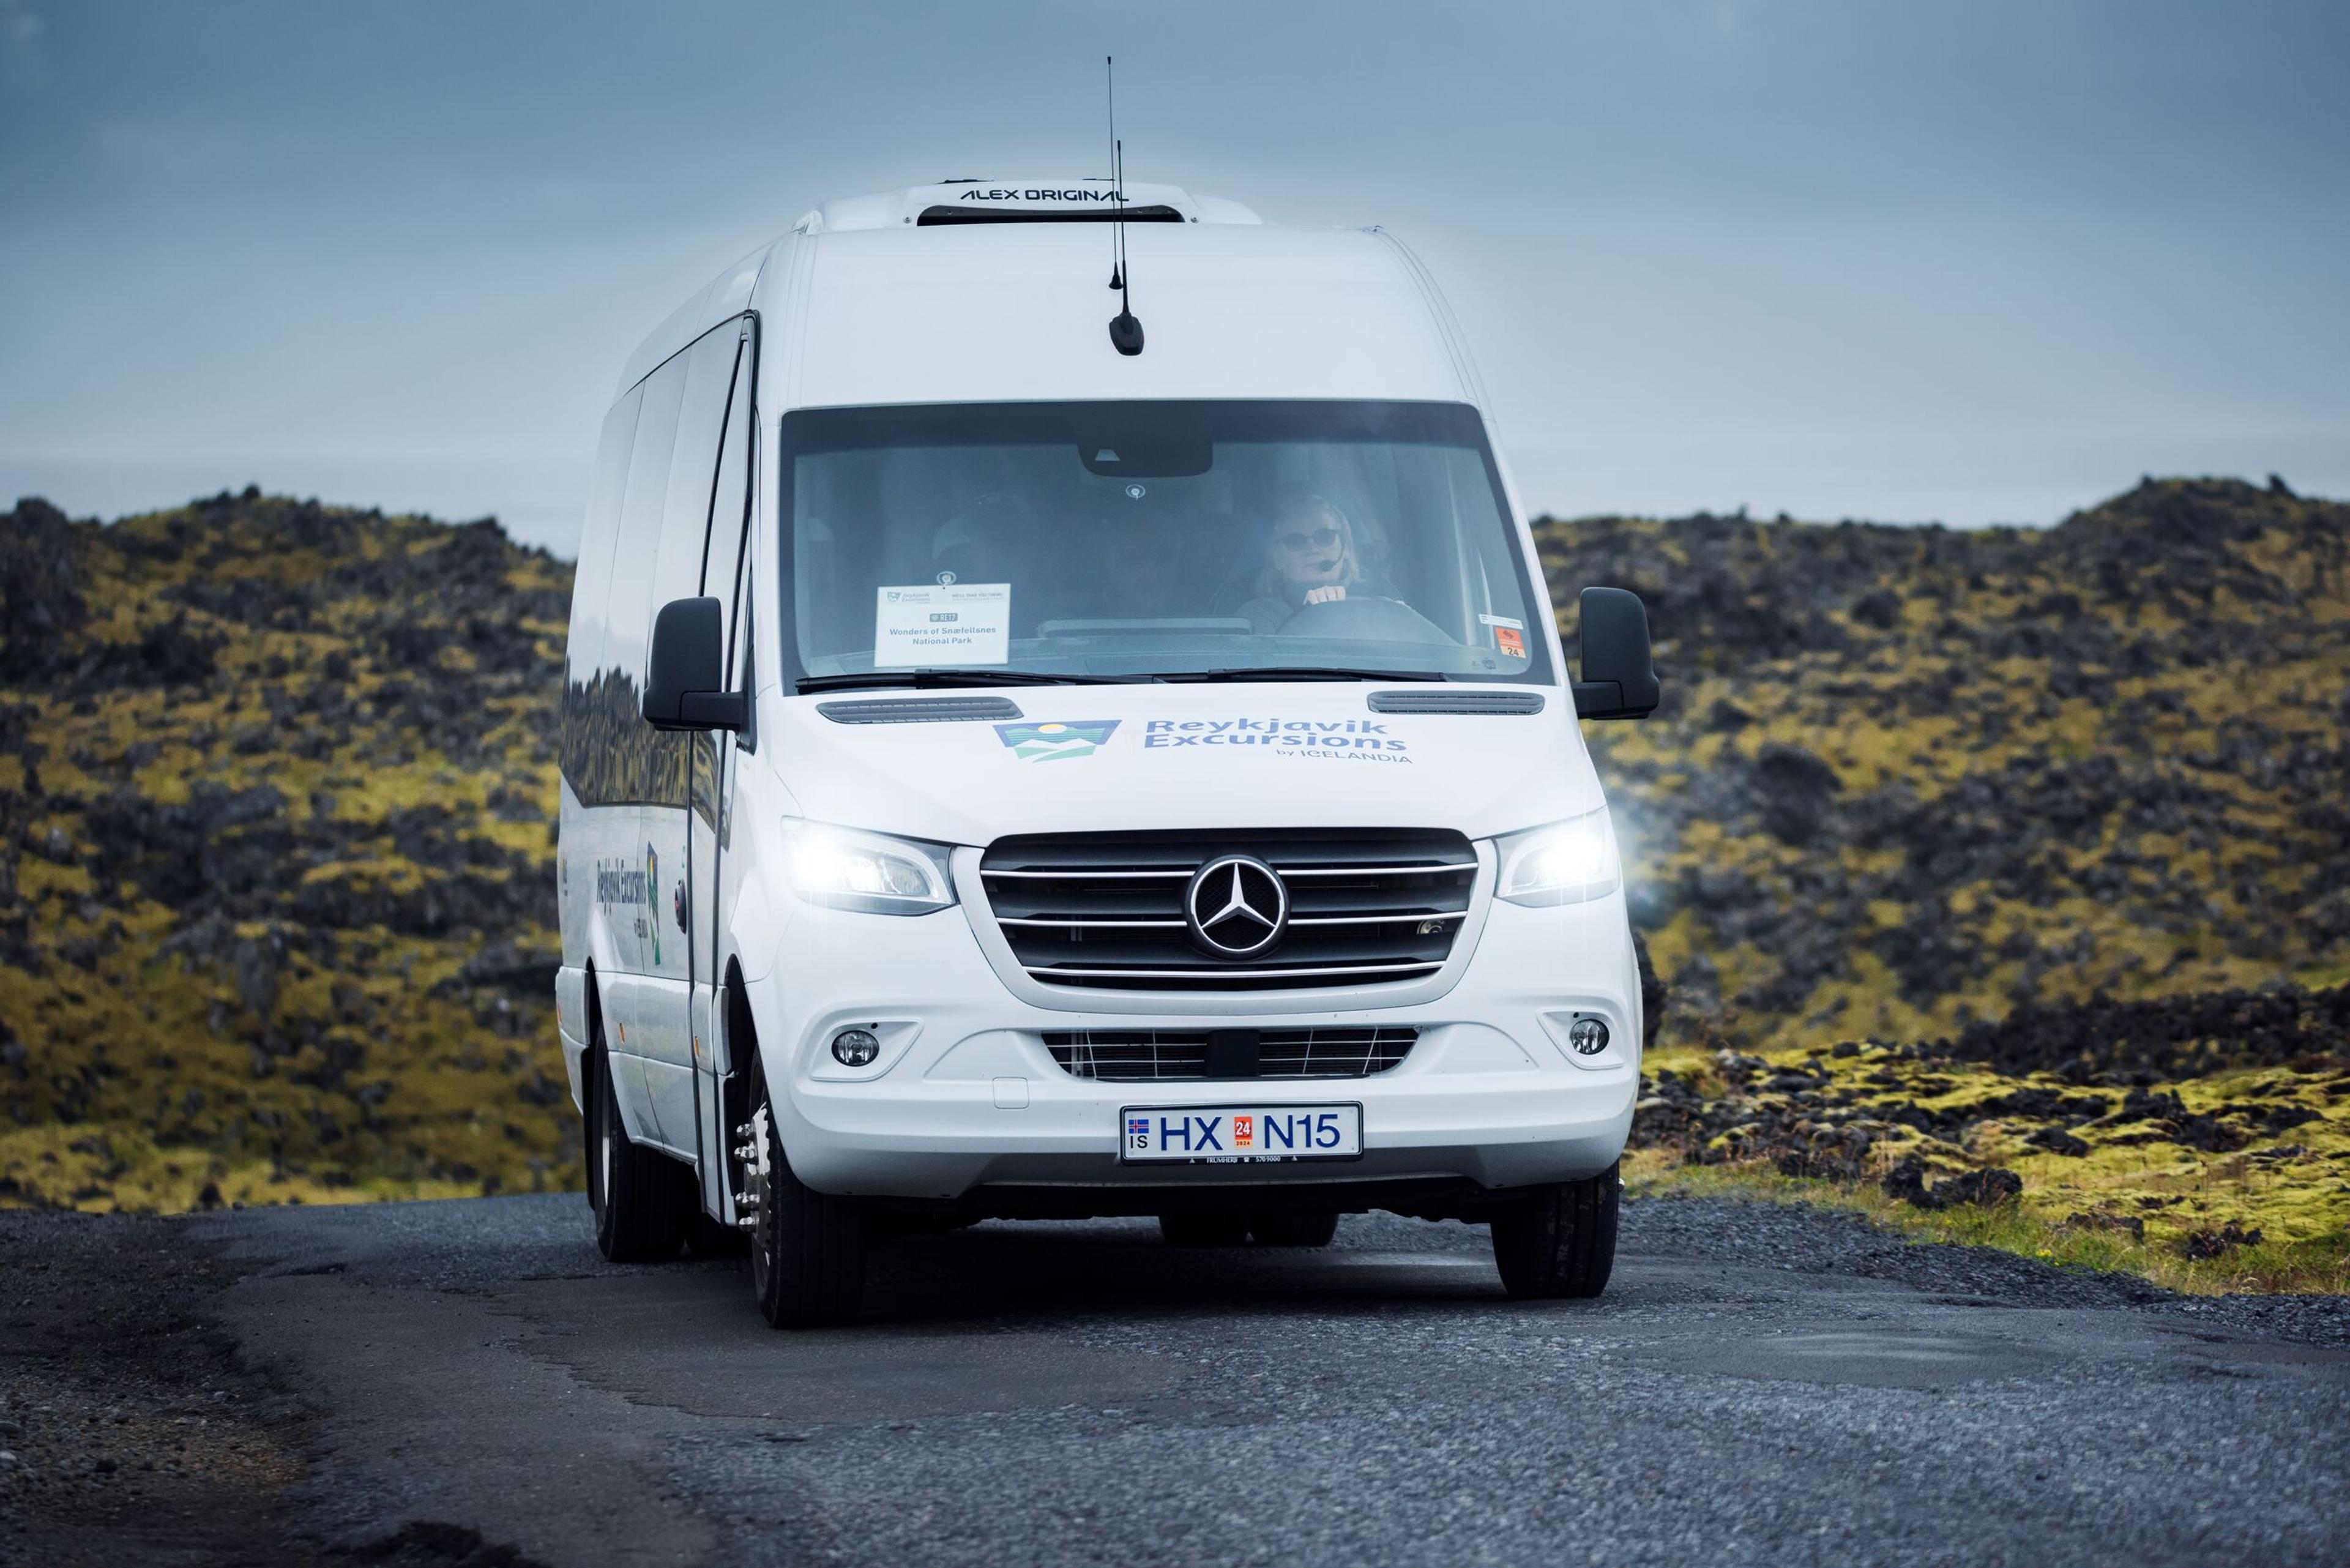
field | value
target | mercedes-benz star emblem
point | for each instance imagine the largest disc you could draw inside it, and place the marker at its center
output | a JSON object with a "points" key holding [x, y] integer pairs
{"points": [[1237, 906]]}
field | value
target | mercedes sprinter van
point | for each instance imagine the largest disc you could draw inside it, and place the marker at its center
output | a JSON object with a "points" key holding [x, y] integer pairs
{"points": [[1016, 768]]}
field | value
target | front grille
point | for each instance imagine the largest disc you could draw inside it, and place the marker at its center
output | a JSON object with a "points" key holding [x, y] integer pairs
{"points": [[919, 710], [1150, 1056], [1105, 911], [1437, 700]]}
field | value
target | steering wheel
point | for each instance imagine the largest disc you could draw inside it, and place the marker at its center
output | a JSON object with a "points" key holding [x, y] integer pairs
{"points": [[1365, 620]]}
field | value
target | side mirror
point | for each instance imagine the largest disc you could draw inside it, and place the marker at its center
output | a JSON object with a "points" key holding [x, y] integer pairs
{"points": [[1620, 677], [685, 679]]}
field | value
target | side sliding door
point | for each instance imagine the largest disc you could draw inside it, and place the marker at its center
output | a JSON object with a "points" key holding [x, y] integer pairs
{"points": [[663, 1024], [725, 574], [591, 946], [626, 867]]}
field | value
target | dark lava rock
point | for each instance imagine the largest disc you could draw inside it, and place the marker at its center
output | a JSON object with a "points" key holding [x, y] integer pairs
{"points": [[1880, 609], [2130, 1225], [2103, 1041], [256, 965], [2219, 1242], [1794, 789], [1907, 1181], [1654, 993], [166, 654], [40, 587], [1985, 1188], [504, 966], [2209, 1134]]}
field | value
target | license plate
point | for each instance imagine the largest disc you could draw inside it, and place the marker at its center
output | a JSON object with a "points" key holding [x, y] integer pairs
{"points": [[1239, 1135]]}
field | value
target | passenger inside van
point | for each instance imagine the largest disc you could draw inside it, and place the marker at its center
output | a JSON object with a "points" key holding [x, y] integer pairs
{"points": [[1312, 554]]}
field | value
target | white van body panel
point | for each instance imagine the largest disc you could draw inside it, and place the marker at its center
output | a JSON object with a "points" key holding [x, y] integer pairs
{"points": [[723, 297], [1295, 756], [859, 307], [988, 314]]}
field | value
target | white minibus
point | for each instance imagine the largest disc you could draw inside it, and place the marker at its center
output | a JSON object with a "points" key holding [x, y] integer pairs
{"points": [[1031, 751]]}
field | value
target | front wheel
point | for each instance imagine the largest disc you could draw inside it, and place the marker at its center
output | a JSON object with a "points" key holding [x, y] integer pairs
{"points": [[1559, 1241], [807, 1248], [708, 1237]]}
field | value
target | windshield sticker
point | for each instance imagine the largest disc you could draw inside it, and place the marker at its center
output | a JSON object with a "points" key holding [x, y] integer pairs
{"points": [[941, 623], [1356, 740], [1056, 740], [1509, 642], [1514, 623]]}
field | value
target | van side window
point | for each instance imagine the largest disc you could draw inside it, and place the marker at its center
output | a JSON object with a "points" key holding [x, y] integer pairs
{"points": [[628, 753], [728, 351], [584, 672], [730, 502]]}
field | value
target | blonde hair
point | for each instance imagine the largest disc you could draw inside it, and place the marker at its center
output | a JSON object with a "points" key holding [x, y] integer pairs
{"points": [[1294, 503]]}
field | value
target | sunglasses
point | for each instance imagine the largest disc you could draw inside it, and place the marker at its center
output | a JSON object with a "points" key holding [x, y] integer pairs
{"points": [[1319, 539]]}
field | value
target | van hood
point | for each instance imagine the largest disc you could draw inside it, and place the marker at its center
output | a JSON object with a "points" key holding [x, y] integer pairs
{"points": [[1095, 759]]}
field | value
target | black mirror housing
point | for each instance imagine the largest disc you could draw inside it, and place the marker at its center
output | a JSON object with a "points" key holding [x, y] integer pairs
{"points": [[686, 681], [1619, 673]]}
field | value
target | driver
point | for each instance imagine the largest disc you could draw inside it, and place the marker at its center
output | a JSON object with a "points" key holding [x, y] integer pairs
{"points": [[1311, 558]]}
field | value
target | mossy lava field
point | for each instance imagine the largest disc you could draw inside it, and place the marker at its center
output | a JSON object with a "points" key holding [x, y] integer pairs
{"points": [[1996, 882]]}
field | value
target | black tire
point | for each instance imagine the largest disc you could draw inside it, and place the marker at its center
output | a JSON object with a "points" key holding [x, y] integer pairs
{"points": [[1204, 1227], [708, 1237], [807, 1252], [1294, 1227], [1559, 1241], [642, 1199]]}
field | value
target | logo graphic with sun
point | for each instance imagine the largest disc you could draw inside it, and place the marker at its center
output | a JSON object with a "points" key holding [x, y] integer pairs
{"points": [[1056, 740]]}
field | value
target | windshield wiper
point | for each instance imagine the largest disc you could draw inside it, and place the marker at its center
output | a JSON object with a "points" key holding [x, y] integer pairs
{"points": [[1298, 672], [865, 679]]}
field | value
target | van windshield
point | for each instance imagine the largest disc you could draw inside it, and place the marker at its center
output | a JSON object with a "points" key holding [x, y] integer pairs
{"points": [[1133, 540]]}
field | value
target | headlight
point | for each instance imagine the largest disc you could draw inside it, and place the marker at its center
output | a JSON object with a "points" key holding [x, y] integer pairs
{"points": [[843, 868], [1565, 863]]}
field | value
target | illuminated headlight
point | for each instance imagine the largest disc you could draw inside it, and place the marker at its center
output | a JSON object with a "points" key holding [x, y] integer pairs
{"points": [[1565, 863], [843, 868]]}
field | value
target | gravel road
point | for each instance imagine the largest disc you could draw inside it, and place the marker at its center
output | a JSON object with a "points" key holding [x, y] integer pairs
{"points": [[469, 1383]]}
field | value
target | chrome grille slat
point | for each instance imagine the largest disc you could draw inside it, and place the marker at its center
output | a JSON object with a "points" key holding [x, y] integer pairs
{"points": [[1232, 972], [1376, 920], [1105, 911], [1071, 875], [1177, 925], [1375, 870], [1097, 925], [1162, 1055]]}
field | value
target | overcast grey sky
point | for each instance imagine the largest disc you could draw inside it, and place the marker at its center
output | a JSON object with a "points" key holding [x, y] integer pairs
{"points": [[1976, 262]]}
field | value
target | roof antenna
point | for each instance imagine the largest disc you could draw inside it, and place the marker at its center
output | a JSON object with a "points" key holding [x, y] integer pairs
{"points": [[1109, 75], [1125, 331]]}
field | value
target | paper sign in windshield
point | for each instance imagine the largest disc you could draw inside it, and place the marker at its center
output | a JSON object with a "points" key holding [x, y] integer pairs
{"points": [[937, 624]]}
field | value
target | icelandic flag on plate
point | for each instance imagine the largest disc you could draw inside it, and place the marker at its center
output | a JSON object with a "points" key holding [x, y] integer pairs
{"points": [[1139, 1126]]}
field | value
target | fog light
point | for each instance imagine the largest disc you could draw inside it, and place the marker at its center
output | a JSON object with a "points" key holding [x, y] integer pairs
{"points": [[857, 1047], [1588, 1036]]}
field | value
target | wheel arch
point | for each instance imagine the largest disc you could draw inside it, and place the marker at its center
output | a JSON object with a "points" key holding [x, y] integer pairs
{"points": [[738, 1090]]}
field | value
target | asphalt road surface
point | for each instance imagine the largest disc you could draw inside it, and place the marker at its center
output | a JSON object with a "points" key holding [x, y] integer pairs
{"points": [[470, 1383]]}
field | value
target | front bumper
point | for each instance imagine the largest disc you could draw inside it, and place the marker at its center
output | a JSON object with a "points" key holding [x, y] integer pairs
{"points": [[964, 1095]]}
